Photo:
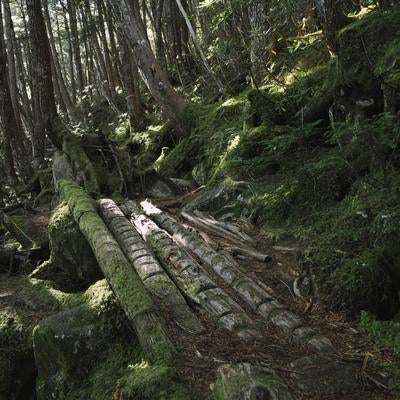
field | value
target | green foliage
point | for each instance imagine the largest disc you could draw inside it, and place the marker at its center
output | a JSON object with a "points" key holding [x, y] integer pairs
{"points": [[384, 334]]}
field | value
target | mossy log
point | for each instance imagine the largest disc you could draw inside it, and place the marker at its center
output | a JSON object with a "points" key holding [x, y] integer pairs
{"points": [[124, 281], [153, 276], [252, 293], [191, 278]]}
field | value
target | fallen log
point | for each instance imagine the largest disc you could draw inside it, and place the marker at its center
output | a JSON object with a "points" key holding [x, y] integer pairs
{"points": [[153, 276], [191, 278], [126, 284], [214, 229], [252, 293], [255, 255]]}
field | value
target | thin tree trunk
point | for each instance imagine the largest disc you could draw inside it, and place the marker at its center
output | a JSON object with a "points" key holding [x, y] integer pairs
{"points": [[14, 137], [12, 74], [75, 44], [198, 46], [155, 78], [57, 67]]}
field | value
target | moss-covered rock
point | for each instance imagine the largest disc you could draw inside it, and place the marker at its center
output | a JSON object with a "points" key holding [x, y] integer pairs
{"points": [[65, 344], [70, 251], [246, 381]]}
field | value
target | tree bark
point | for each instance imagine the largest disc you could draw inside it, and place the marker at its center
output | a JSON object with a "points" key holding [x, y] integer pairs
{"points": [[332, 17], [57, 67], [155, 78]]}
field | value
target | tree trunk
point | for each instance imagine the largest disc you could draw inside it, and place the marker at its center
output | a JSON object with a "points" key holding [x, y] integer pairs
{"points": [[332, 17], [198, 47], [57, 67], [156, 80], [130, 80], [258, 19], [76, 44], [12, 74], [258, 298], [12, 131], [16, 232], [44, 105]]}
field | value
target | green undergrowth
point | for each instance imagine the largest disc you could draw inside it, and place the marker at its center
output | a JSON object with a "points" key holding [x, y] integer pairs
{"points": [[333, 186], [123, 372], [384, 334]]}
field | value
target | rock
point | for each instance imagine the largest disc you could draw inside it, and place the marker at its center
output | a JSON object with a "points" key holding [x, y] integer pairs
{"points": [[212, 199], [248, 382], [66, 343], [183, 184], [160, 189], [70, 251], [199, 174], [60, 343], [324, 375]]}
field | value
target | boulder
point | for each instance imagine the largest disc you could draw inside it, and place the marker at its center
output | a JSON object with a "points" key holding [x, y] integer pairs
{"points": [[248, 382], [213, 199], [199, 174], [66, 343], [70, 251]]}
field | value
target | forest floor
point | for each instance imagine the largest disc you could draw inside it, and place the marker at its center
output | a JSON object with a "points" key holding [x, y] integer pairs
{"points": [[200, 356], [203, 354]]}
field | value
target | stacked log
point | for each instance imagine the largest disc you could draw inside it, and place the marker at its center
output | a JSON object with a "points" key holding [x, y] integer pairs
{"points": [[153, 276], [190, 277]]}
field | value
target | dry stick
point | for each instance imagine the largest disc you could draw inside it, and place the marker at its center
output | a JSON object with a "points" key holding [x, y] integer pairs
{"points": [[213, 229], [153, 276], [250, 292], [225, 225], [191, 278], [124, 281], [265, 258], [16, 232]]}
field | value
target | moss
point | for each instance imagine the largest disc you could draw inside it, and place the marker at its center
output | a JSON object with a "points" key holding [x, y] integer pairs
{"points": [[153, 382], [362, 54], [384, 334], [70, 251]]}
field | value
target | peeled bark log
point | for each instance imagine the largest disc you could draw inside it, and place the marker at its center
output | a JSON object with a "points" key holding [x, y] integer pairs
{"points": [[126, 284], [251, 292], [153, 276], [191, 278]]}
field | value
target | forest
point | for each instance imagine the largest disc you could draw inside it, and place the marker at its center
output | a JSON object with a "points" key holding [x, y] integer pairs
{"points": [[199, 199]]}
